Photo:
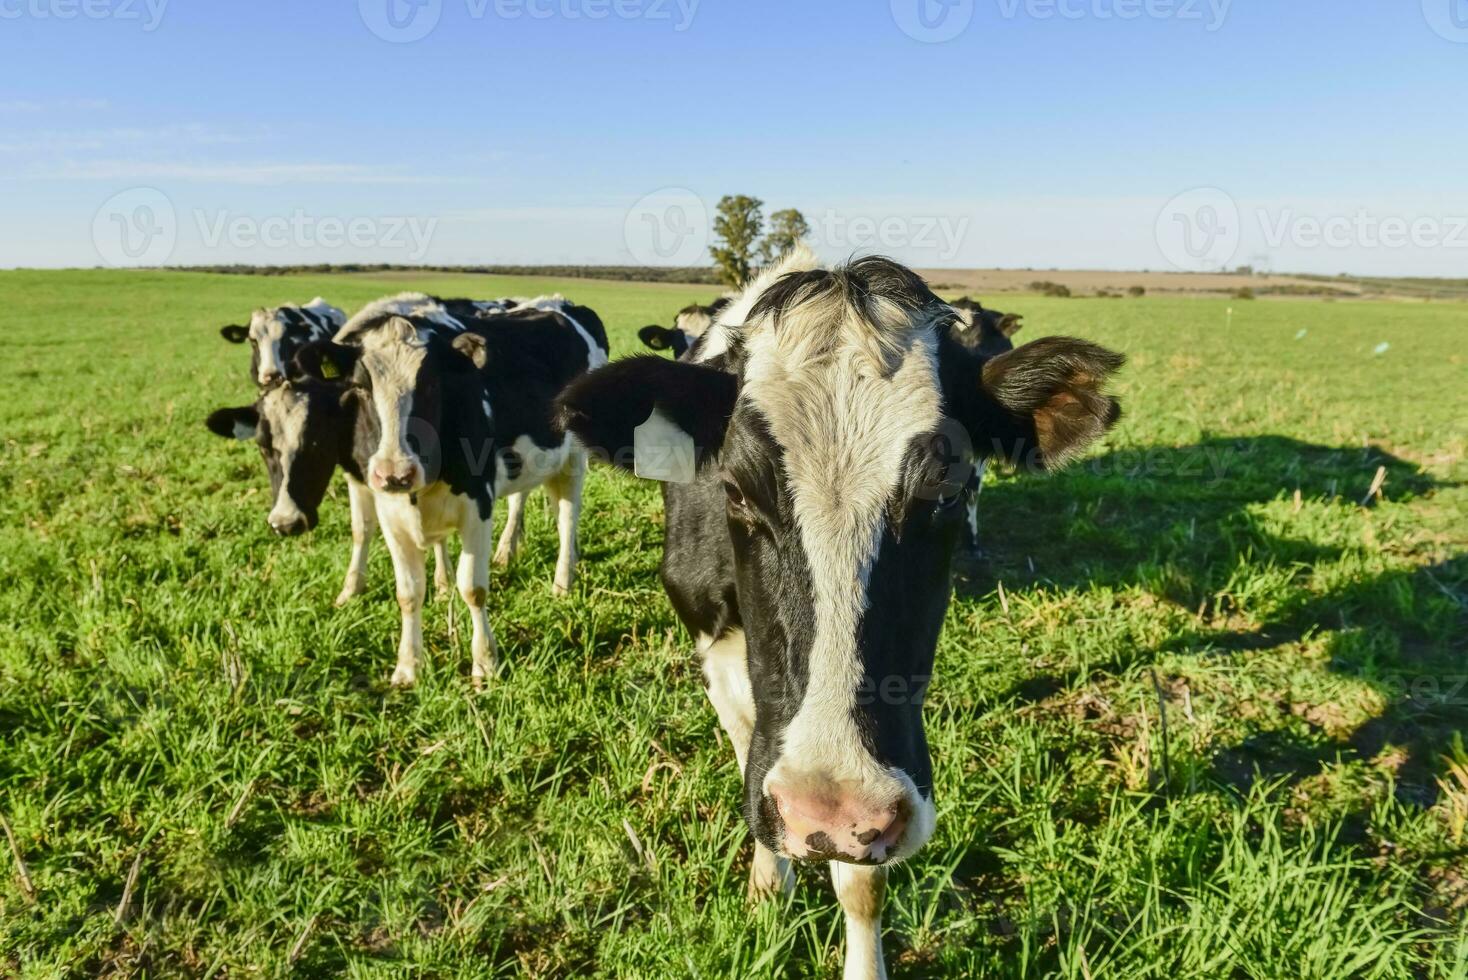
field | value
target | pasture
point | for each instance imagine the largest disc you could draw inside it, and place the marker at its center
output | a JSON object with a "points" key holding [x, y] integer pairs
{"points": [[1198, 713]]}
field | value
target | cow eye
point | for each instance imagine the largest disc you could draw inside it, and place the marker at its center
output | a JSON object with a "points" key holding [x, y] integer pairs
{"points": [[733, 492]]}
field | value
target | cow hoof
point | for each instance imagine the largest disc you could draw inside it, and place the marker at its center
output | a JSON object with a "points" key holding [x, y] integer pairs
{"points": [[501, 559], [345, 597], [560, 591], [404, 677]]}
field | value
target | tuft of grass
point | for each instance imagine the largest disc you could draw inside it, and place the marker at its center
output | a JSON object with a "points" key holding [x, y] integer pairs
{"points": [[205, 773]]}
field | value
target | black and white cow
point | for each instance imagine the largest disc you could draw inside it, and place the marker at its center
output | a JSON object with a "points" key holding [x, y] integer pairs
{"points": [[690, 324], [275, 334], [831, 414], [462, 415], [308, 427], [984, 334]]}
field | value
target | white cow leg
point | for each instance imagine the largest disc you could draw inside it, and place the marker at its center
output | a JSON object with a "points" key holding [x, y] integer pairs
{"points": [[408, 561], [860, 890], [973, 505], [364, 525], [726, 673], [565, 489], [514, 530], [443, 582], [478, 536]]}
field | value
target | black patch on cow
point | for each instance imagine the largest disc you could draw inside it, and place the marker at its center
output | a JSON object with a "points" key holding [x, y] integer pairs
{"points": [[604, 407]]}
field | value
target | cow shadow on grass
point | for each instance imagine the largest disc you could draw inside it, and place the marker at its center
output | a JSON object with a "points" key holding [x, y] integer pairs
{"points": [[1216, 529]]}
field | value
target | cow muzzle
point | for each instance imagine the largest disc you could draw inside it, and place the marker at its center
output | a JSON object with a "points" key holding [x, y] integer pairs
{"points": [[396, 475], [829, 822]]}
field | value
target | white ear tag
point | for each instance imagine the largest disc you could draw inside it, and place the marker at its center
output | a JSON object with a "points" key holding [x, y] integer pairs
{"points": [[662, 451]]}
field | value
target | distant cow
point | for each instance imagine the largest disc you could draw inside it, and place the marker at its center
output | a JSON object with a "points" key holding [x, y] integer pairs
{"points": [[809, 555], [984, 334], [276, 333], [690, 324], [461, 415], [308, 427]]}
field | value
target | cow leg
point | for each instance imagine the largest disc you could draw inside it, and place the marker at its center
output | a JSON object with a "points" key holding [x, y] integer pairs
{"points": [[973, 507], [364, 525], [565, 489], [408, 565], [442, 583], [726, 675], [860, 891], [514, 530], [477, 535]]}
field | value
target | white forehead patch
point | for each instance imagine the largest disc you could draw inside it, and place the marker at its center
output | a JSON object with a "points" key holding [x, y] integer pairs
{"points": [[393, 362], [284, 409], [843, 398]]}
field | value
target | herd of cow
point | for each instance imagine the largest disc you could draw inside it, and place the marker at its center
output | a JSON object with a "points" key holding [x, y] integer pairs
{"points": [[835, 423]]}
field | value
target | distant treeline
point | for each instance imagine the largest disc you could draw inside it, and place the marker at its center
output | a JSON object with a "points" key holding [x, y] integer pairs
{"points": [[627, 273]]}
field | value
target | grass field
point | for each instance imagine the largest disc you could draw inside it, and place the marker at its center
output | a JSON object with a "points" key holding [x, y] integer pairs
{"points": [[1198, 714]]}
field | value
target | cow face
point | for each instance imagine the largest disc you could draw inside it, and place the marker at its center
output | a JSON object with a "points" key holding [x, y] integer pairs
{"points": [[275, 335], [300, 427], [835, 417], [987, 333], [691, 323], [403, 367]]}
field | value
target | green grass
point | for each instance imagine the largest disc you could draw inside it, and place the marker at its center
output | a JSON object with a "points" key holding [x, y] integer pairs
{"points": [[185, 721]]}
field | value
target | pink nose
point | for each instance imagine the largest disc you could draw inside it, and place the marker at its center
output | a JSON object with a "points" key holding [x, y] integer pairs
{"points": [[395, 478], [823, 827]]}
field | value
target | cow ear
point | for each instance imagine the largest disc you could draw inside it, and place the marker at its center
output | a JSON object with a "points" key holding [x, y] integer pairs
{"points": [[1042, 404], [325, 361], [474, 347], [1010, 324], [605, 407], [654, 336], [234, 333], [234, 423]]}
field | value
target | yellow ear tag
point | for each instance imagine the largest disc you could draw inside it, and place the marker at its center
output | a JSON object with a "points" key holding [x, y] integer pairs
{"points": [[328, 369]]}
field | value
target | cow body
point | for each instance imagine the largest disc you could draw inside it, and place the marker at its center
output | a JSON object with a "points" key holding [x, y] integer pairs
{"points": [[308, 427], [833, 417], [276, 333], [463, 412]]}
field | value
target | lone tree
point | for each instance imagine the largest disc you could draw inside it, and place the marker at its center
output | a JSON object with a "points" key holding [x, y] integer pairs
{"points": [[738, 226], [787, 228]]}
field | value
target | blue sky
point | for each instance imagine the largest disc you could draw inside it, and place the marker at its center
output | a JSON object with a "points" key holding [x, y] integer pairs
{"points": [[1326, 136]]}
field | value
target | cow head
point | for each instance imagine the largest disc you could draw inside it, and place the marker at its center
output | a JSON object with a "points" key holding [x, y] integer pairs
{"points": [[833, 419], [691, 323], [984, 332], [303, 428], [274, 335], [402, 365]]}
